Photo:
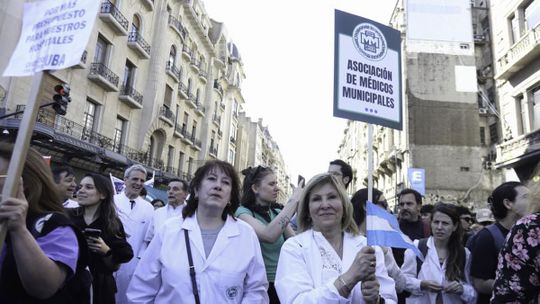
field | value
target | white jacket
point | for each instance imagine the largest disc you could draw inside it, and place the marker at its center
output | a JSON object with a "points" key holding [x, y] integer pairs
{"points": [[233, 272], [299, 276], [433, 271], [161, 215]]}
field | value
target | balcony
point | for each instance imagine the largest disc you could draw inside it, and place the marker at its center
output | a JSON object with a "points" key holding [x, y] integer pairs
{"points": [[196, 143], [149, 4], [102, 76], [220, 133], [520, 54], [166, 115], [182, 90], [187, 138], [219, 89], [177, 131], [191, 100], [186, 51], [139, 45], [82, 63], [216, 119], [203, 75], [233, 140], [130, 96], [111, 15], [195, 64], [517, 149], [173, 71], [222, 105], [213, 151], [199, 108], [177, 26]]}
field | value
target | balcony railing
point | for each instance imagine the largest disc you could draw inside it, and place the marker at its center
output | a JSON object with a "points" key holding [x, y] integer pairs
{"points": [[173, 71], [218, 87], [203, 75], [213, 150], [167, 114], [521, 53], [216, 119], [196, 143], [177, 26], [187, 137], [137, 42], [199, 108], [233, 140], [104, 76], [129, 94], [112, 15], [182, 90], [186, 51], [195, 63], [177, 130]]}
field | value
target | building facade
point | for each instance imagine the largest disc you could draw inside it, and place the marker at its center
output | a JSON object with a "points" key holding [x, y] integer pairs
{"points": [[516, 51], [158, 84], [444, 113]]}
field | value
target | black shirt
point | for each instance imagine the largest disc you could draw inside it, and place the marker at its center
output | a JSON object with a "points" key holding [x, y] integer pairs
{"points": [[484, 257], [415, 231]]}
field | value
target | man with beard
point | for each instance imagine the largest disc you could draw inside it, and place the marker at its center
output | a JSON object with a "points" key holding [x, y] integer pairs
{"points": [[135, 214], [410, 223]]}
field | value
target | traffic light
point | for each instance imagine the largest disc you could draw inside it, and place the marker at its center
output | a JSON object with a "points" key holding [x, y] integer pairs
{"points": [[61, 99]]}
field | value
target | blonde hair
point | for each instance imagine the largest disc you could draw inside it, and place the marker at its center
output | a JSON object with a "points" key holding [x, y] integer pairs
{"points": [[304, 218]]}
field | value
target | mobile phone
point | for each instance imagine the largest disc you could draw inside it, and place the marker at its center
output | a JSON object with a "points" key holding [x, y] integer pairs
{"points": [[301, 181], [92, 232]]}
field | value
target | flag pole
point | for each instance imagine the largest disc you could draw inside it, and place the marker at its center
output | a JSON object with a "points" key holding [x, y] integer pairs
{"points": [[370, 162], [20, 150]]}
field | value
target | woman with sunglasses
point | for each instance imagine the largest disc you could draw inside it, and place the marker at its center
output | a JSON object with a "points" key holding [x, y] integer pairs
{"points": [[444, 275]]}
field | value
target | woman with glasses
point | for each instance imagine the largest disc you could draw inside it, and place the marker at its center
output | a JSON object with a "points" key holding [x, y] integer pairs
{"points": [[443, 276]]}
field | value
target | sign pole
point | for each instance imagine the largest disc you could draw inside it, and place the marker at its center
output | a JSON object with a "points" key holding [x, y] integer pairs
{"points": [[20, 150], [370, 162]]}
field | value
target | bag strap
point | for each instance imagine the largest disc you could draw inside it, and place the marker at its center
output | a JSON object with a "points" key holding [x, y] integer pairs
{"points": [[497, 235], [422, 246], [191, 268]]}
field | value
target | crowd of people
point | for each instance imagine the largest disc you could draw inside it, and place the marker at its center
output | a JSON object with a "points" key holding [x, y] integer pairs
{"points": [[219, 239]]}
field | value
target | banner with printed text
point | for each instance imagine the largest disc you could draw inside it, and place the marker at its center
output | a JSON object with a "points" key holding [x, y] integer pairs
{"points": [[367, 71], [54, 35]]}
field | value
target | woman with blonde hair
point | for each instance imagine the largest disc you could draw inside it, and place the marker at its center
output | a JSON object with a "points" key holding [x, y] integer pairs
{"points": [[329, 261]]}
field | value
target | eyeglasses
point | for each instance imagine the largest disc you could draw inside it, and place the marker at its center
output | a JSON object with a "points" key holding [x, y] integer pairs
{"points": [[468, 219]]}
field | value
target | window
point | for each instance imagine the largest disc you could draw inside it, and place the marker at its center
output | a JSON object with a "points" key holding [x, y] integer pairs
{"points": [[170, 158], [119, 134], [181, 164], [129, 74], [482, 136], [197, 96], [535, 103], [520, 118], [176, 116], [189, 86], [190, 166], [532, 14], [194, 129], [89, 116], [493, 134], [212, 139], [232, 156], [172, 56], [185, 123], [168, 97], [136, 24], [514, 27], [100, 54]]}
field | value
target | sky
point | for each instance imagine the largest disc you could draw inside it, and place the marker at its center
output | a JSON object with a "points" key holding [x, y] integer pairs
{"points": [[287, 48]]}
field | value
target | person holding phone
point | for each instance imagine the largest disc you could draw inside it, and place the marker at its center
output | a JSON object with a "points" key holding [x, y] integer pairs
{"points": [[269, 219], [104, 233]]}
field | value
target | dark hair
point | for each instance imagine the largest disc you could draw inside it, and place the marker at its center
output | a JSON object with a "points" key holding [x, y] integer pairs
{"points": [[185, 185], [358, 201], [107, 208], [456, 254], [58, 170], [496, 199], [427, 209], [254, 176], [193, 201], [461, 210], [417, 195], [346, 170], [40, 189], [154, 201]]}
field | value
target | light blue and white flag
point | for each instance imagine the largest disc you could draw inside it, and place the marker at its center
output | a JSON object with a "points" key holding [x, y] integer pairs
{"points": [[150, 182], [382, 229]]}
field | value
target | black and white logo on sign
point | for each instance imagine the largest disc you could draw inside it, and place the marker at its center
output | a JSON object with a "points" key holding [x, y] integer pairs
{"points": [[369, 41]]}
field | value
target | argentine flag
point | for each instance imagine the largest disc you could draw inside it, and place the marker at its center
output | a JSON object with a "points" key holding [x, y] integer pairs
{"points": [[382, 229]]}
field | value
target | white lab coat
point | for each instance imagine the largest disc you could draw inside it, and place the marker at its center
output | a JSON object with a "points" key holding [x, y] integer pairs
{"points": [[433, 271], [299, 275], [233, 272], [135, 223], [160, 216]]}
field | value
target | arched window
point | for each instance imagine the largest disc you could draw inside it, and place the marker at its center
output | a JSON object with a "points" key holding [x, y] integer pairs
{"points": [[172, 56], [136, 24]]}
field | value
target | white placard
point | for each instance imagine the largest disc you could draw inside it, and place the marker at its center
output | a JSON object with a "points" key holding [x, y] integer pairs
{"points": [[54, 35]]}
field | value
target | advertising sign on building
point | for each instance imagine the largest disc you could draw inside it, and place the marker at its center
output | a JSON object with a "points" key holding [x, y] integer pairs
{"points": [[367, 71], [54, 35], [417, 179]]}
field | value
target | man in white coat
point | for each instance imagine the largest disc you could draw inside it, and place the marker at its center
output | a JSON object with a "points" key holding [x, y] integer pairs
{"points": [[135, 214], [177, 191]]}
